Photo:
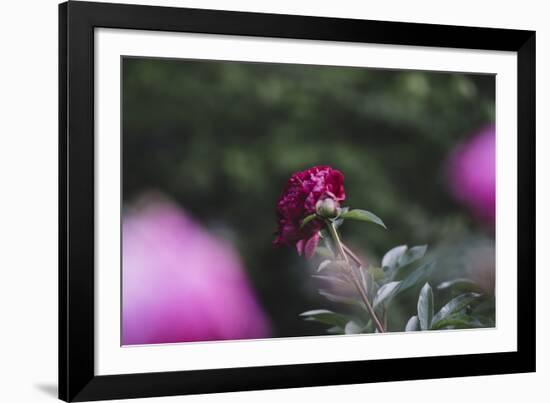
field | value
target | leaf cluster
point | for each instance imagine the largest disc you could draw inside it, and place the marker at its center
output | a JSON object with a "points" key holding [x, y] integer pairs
{"points": [[402, 269]]}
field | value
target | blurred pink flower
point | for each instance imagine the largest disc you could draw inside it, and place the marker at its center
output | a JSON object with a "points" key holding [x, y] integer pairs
{"points": [[472, 174], [180, 283]]}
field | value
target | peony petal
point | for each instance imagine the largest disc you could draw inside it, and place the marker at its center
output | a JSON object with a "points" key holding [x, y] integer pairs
{"points": [[311, 245], [300, 246]]}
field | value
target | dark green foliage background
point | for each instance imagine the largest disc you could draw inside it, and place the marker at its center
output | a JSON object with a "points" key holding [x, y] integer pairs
{"points": [[222, 138]]}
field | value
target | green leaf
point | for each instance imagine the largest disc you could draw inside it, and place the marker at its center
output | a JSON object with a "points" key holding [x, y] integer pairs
{"points": [[308, 219], [362, 215], [353, 328], [454, 306], [412, 255], [386, 293], [343, 210], [332, 280], [485, 321], [334, 265], [325, 252], [391, 257], [405, 262], [366, 278], [339, 298], [413, 324], [336, 330], [393, 288], [327, 317], [460, 284], [324, 265], [425, 307], [458, 321], [377, 273], [368, 283], [369, 327], [485, 307], [417, 276]]}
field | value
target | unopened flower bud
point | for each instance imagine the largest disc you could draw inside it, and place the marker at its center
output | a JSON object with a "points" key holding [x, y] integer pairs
{"points": [[327, 208]]}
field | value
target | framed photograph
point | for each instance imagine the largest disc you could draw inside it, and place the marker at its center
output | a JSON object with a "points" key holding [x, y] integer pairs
{"points": [[257, 201]]}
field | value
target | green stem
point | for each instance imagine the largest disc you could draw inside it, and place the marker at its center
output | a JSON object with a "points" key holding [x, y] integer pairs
{"points": [[352, 255], [355, 279], [337, 241]]}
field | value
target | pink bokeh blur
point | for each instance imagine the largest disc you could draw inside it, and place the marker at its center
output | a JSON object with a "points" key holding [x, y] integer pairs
{"points": [[180, 283], [472, 174]]}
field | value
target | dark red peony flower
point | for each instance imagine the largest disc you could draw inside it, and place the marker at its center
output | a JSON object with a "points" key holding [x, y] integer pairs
{"points": [[298, 200]]}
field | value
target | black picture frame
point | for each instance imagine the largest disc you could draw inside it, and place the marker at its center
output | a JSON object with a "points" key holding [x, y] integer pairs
{"points": [[77, 21]]}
